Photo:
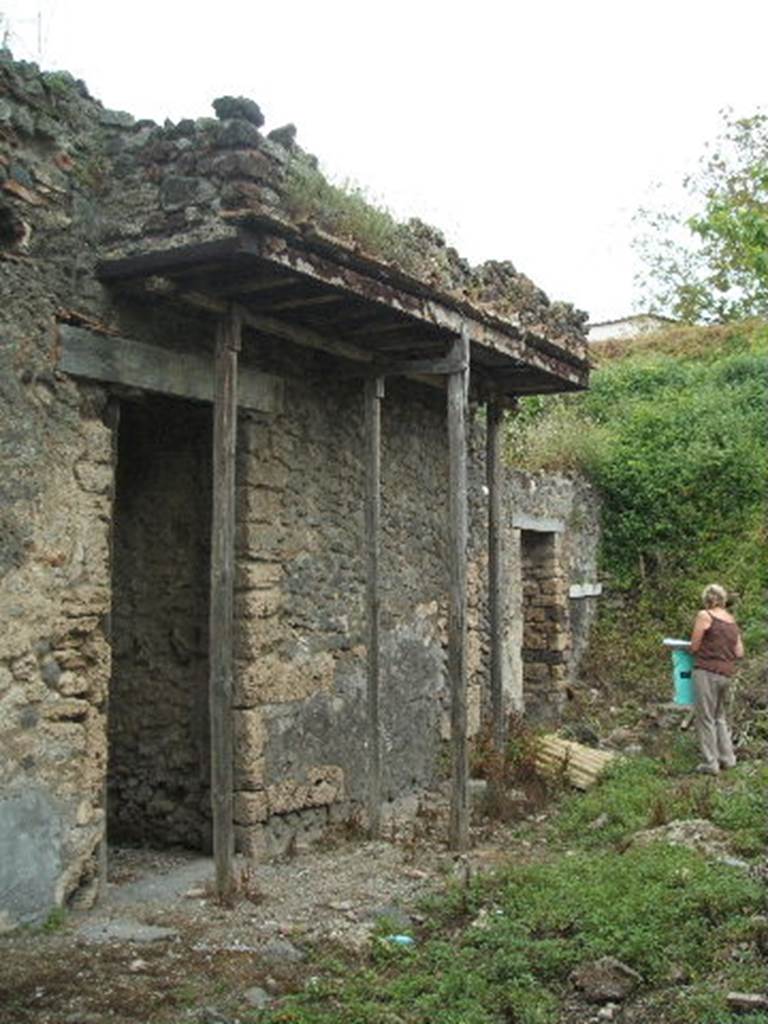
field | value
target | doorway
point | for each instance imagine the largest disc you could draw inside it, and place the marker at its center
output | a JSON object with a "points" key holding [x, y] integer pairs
{"points": [[159, 754]]}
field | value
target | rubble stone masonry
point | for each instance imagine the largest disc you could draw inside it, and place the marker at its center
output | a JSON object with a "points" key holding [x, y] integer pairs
{"points": [[105, 521]]}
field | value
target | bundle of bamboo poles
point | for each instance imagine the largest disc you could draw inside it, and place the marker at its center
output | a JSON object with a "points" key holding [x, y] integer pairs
{"points": [[580, 765]]}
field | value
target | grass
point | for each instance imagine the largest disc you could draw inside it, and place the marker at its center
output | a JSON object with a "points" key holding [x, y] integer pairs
{"points": [[346, 211], [502, 949]]}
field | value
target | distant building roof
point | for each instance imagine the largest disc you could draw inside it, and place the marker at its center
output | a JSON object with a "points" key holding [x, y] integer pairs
{"points": [[627, 327]]}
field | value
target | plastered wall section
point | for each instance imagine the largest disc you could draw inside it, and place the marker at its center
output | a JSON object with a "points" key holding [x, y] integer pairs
{"points": [[54, 609]]}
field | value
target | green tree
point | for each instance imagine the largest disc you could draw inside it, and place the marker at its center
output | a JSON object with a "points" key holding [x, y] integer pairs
{"points": [[711, 263]]}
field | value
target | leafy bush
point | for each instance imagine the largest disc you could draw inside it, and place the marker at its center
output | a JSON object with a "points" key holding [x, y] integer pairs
{"points": [[674, 436]]}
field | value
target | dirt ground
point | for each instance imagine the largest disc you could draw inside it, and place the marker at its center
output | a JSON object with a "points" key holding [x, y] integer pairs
{"points": [[158, 948]]}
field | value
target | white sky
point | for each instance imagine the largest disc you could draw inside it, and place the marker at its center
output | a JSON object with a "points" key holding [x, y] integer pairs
{"points": [[525, 131]]}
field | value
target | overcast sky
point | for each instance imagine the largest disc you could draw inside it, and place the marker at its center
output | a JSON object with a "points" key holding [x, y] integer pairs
{"points": [[525, 131]]}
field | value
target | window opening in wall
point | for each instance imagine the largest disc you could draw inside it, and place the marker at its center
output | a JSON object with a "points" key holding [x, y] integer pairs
{"points": [[159, 774], [546, 633]]}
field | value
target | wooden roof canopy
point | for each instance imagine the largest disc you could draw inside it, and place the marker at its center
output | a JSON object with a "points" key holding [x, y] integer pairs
{"points": [[313, 289]]}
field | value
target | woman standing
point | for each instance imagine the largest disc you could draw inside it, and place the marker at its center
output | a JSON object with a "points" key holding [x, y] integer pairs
{"points": [[716, 645]]}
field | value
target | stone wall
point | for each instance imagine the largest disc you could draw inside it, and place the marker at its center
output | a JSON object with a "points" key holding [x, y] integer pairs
{"points": [[546, 629], [553, 534], [77, 183], [300, 691]]}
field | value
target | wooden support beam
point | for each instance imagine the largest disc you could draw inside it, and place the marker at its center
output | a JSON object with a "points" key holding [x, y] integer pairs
{"points": [[457, 606], [439, 366], [327, 262], [222, 600], [370, 326], [252, 285], [136, 364], [505, 337], [308, 302], [374, 393], [303, 336], [494, 423]]}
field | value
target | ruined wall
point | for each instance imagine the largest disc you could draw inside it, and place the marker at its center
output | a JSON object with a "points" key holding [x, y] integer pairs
{"points": [[552, 533], [55, 509], [78, 183]]}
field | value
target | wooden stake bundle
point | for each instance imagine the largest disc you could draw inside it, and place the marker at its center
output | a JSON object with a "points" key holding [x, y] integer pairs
{"points": [[580, 765]]}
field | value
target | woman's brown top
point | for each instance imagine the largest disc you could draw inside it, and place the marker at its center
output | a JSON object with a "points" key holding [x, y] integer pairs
{"points": [[717, 652]]}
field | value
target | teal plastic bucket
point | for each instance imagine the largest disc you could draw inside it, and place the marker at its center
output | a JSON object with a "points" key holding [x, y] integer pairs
{"points": [[682, 673]]}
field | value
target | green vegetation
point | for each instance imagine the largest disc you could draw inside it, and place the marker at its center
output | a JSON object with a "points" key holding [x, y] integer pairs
{"points": [[346, 211], [711, 262], [55, 920], [503, 948], [644, 793], [673, 434]]}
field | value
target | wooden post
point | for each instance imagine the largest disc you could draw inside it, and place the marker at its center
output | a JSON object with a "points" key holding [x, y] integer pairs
{"points": [[374, 392], [222, 599], [457, 607], [493, 480]]}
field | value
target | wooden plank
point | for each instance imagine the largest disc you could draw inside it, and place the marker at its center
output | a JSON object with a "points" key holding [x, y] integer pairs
{"points": [[151, 368], [222, 601], [439, 366], [374, 393], [303, 336], [250, 285], [307, 302], [493, 481], [457, 604]]}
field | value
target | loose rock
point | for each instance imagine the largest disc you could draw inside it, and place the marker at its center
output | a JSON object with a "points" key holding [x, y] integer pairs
{"points": [[228, 107], [606, 980], [257, 997], [126, 931]]}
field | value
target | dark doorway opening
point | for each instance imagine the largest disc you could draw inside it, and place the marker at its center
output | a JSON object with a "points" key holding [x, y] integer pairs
{"points": [[159, 754]]}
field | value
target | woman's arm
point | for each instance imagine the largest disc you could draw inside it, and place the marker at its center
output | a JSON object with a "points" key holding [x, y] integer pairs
{"points": [[739, 646], [700, 627]]}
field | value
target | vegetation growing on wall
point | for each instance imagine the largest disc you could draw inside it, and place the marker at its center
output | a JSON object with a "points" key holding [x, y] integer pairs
{"points": [[673, 432], [346, 211]]}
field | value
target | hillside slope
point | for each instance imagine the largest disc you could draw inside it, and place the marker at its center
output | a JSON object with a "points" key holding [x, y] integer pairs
{"points": [[673, 433]]}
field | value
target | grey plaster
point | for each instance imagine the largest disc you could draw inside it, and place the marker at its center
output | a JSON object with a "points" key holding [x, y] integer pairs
{"points": [[30, 856]]}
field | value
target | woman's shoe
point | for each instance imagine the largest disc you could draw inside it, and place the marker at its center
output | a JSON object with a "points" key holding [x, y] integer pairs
{"points": [[705, 769]]}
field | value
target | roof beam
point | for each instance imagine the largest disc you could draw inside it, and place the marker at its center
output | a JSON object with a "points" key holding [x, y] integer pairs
{"points": [[510, 342]]}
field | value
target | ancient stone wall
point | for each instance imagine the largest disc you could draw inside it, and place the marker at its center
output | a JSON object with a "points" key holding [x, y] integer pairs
{"points": [[77, 183], [300, 691], [546, 633], [552, 526]]}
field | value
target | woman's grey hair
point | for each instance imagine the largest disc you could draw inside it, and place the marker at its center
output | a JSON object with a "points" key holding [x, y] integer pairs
{"points": [[714, 596]]}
